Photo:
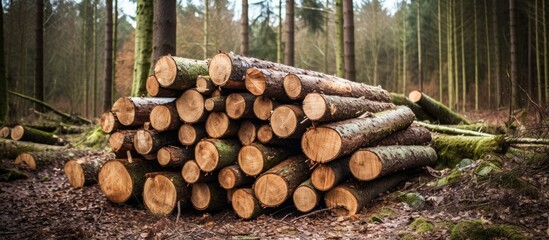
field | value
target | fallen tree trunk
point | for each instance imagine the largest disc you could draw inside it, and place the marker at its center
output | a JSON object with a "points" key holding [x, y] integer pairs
{"points": [[11, 149], [215, 104], [257, 158], [205, 85], [326, 108], [213, 154], [5, 132], [289, 121], [452, 130], [436, 109], [150, 141], [208, 197], [333, 140], [122, 141], [164, 192], [240, 105], [266, 82], [36, 160], [306, 197], [190, 134], [245, 204], [219, 125], [22, 133], [401, 100], [263, 107], [247, 133], [327, 176], [164, 117], [191, 173], [190, 107], [412, 135], [134, 111], [370, 163], [172, 156], [232, 176], [452, 149], [179, 73], [155, 90], [276, 185], [83, 171]]}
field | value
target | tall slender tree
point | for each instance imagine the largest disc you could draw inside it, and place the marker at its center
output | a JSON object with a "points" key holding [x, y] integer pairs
{"points": [[95, 60], [107, 97], [545, 58], [488, 62], [497, 53], [279, 34], [289, 49], [349, 40], [39, 67], [404, 48], [419, 66], [537, 48], [340, 67], [449, 31], [164, 28], [143, 46], [463, 72], [326, 35], [206, 23], [439, 20], [475, 44], [244, 27], [514, 68], [3, 78], [114, 49]]}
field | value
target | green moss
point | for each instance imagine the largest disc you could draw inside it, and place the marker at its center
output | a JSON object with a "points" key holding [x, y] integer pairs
{"points": [[485, 168], [452, 149], [413, 199], [477, 229], [407, 236], [10, 174], [420, 225], [95, 139], [452, 177], [386, 212]]}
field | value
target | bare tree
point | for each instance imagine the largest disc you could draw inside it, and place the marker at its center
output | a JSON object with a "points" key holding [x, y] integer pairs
{"points": [[244, 27], [39, 67], [349, 40], [107, 97], [289, 49]]}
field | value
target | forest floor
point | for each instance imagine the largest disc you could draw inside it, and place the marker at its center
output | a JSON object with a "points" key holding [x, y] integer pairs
{"points": [[509, 202]]}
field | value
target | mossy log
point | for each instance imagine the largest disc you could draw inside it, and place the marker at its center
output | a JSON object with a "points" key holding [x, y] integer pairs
{"points": [[134, 111], [173, 156], [451, 149], [247, 133], [179, 73], [190, 107], [165, 118], [213, 154], [5, 132], [10, 149], [482, 127], [266, 82], [370, 163], [209, 197], [327, 108], [190, 134], [219, 125], [109, 123], [350, 197], [263, 107], [36, 160], [83, 171], [122, 141], [205, 85], [150, 141], [240, 105], [257, 158], [232, 176], [277, 185], [452, 130], [333, 140], [155, 90], [215, 104], [245, 204], [191, 173], [436, 109], [401, 100], [23, 133], [289, 121], [327, 176], [480, 229], [412, 135], [306, 197], [164, 191]]}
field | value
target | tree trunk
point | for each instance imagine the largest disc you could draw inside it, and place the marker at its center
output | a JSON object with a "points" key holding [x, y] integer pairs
{"points": [[208, 197], [22, 133], [143, 46], [545, 58], [327, 176], [349, 40], [232, 176], [282, 179], [257, 158], [245, 204], [164, 28], [439, 21], [155, 90], [413, 135], [215, 104], [133, 111], [39, 65], [306, 197], [330, 141], [107, 95], [37, 160], [83, 171], [213, 154], [327, 108], [190, 107], [289, 121], [5, 131], [514, 101], [3, 79], [240, 105], [289, 48], [179, 73], [172, 156], [218, 125], [399, 99], [192, 174], [339, 39], [206, 34], [11, 149], [449, 55], [442, 113], [279, 34], [165, 192], [122, 141], [419, 56], [244, 44], [476, 53], [452, 149], [497, 52], [266, 82], [205, 85], [190, 134], [164, 117], [263, 107], [247, 133], [150, 141], [371, 163]]}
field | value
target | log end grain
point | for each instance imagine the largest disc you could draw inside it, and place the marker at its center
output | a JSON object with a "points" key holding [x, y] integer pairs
{"points": [[271, 190], [143, 142], [5, 132], [250, 160], [124, 110], [217, 124], [17, 132], [159, 195], [323, 178], [220, 69], [191, 172], [163, 156], [27, 159], [255, 82], [206, 155], [75, 173], [190, 106], [235, 105], [115, 181], [284, 121], [314, 106], [209, 104], [365, 165], [321, 144], [152, 85], [204, 85], [187, 135], [265, 134], [292, 86], [244, 203], [200, 196], [161, 118], [305, 199], [263, 107], [247, 133], [165, 71], [108, 122], [342, 201], [116, 141], [414, 96], [226, 178]]}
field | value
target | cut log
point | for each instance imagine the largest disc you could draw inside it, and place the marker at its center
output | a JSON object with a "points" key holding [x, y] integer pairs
{"points": [[452, 149], [412, 135], [5, 132], [266, 82], [327, 176], [215, 104], [245, 204], [263, 107], [333, 140], [240, 105], [109, 123], [190, 107], [150, 141], [247, 133], [327, 108], [190, 134], [401, 100], [306, 197], [11, 149], [214, 154], [121, 180], [208, 197], [22, 133], [164, 117], [216, 93], [179, 73], [230, 194], [134, 111], [205, 85], [232, 176], [36, 160], [164, 192], [155, 90], [275, 186], [436, 109], [452, 130], [297, 86], [191, 173], [257, 158], [370, 163], [83, 171], [122, 141], [349, 198], [266, 136], [289, 121], [219, 125], [172, 156]]}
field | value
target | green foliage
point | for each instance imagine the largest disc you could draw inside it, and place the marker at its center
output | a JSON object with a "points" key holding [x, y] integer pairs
{"points": [[312, 14], [478, 229], [421, 225], [263, 37], [452, 177], [95, 139], [412, 199], [10, 174]]}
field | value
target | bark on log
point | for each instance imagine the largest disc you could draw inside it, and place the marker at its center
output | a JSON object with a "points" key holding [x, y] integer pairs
{"points": [[219, 125], [297, 86], [109, 123], [36, 160], [257, 158], [164, 191], [134, 111], [399, 99], [275, 186], [452, 149], [245, 204], [436, 109], [5, 132], [240, 105], [289, 121], [172, 156], [412, 135], [164, 117], [179, 73], [191, 173], [306, 197], [370, 163], [333, 140], [214, 154], [266, 82], [190, 134], [349, 198], [327, 108], [215, 104], [232, 176], [208, 197], [150, 141], [205, 85], [22, 133], [217, 93], [83, 171], [122, 141], [263, 107], [11, 149], [247, 133], [327, 176], [190, 107], [155, 90]]}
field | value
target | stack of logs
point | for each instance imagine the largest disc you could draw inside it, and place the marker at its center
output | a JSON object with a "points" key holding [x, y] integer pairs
{"points": [[254, 134]]}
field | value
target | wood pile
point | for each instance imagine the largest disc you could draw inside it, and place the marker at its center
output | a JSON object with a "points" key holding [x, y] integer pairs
{"points": [[254, 134]]}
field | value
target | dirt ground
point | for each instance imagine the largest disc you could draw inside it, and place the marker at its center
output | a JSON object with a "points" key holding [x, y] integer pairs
{"points": [[44, 206]]}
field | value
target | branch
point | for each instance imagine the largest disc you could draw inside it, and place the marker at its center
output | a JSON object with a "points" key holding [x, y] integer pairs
{"points": [[66, 116]]}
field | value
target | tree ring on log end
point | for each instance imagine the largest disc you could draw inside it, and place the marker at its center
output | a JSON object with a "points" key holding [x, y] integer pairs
{"points": [[217, 124], [304, 199], [292, 86], [323, 178], [255, 82], [247, 133], [159, 195], [226, 178], [342, 201], [265, 133], [108, 122], [26, 159], [314, 106], [321, 144], [124, 110], [235, 105], [414, 96], [206, 156], [209, 104], [200, 196], [165, 71], [250, 160], [115, 181], [187, 134], [17, 132], [75, 174], [163, 156], [190, 106], [262, 107], [190, 172], [284, 121], [271, 190], [152, 86], [116, 141], [143, 142], [365, 165], [220, 69], [161, 118], [243, 203]]}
